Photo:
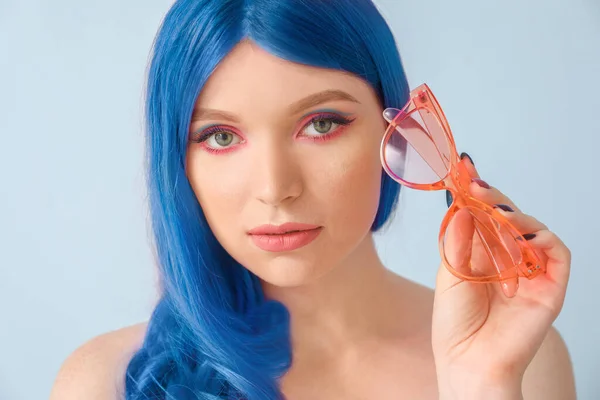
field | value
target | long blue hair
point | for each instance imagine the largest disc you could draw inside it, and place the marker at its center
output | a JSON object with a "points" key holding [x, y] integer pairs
{"points": [[213, 334]]}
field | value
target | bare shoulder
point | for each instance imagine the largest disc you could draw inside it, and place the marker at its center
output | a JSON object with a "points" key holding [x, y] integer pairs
{"points": [[550, 374], [96, 369]]}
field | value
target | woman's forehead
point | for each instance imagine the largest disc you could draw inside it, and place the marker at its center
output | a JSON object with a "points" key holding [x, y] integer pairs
{"points": [[250, 73]]}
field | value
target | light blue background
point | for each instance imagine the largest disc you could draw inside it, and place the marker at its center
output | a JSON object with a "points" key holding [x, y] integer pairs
{"points": [[517, 80]]}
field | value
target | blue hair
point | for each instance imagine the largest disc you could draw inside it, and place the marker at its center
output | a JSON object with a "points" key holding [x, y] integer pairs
{"points": [[213, 334]]}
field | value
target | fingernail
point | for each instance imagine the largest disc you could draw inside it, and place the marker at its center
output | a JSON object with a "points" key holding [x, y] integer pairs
{"points": [[449, 198], [529, 236], [504, 207], [481, 183], [463, 155], [510, 289]]}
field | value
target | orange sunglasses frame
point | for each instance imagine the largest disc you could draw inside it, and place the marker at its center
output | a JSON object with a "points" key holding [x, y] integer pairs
{"points": [[457, 181]]}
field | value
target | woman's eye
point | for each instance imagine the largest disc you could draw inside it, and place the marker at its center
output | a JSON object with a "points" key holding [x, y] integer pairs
{"points": [[218, 139], [322, 126], [223, 138]]}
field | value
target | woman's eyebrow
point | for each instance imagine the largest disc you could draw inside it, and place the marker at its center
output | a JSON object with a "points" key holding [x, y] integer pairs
{"points": [[295, 108], [208, 113], [319, 98]]}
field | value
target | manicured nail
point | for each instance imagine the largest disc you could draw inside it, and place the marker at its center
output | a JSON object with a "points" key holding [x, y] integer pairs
{"points": [[529, 236], [481, 183], [449, 198], [463, 155], [504, 207]]}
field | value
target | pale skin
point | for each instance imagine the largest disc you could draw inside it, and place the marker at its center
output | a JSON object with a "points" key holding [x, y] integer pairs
{"points": [[359, 331]]}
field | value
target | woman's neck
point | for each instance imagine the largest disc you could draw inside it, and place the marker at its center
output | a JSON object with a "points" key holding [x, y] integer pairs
{"points": [[354, 303]]}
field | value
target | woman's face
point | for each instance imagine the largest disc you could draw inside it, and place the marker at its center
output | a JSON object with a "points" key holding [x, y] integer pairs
{"points": [[273, 142]]}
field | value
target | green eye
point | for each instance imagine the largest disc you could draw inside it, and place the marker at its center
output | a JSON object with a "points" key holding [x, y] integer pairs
{"points": [[323, 125], [223, 138]]}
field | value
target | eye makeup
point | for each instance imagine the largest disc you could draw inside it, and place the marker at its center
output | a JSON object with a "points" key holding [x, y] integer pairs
{"points": [[337, 119], [342, 121]]}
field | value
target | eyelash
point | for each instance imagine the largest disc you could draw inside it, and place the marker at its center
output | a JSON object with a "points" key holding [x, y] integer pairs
{"points": [[337, 119], [343, 123], [203, 136]]}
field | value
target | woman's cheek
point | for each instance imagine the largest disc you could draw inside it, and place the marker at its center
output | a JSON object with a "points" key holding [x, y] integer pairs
{"points": [[353, 187]]}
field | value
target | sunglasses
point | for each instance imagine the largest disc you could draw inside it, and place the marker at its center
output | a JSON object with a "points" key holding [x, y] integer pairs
{"points": [[477, 243]]}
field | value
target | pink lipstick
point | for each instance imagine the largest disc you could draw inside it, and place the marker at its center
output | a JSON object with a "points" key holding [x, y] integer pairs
{"points": [[287, 237]]}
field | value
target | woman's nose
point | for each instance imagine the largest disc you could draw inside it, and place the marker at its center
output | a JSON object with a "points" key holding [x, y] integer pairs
{"points": [[277, 176]]}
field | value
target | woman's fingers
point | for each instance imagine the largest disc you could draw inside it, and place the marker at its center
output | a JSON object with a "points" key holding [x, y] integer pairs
{"points": [[468, 161], [483, 191], [558, 267], [544, 242], [458, 254], [550, 248], [523, 222], [458, 241]]}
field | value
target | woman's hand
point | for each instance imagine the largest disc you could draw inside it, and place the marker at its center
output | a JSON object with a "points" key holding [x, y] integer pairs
{"points": [[483, 340]]}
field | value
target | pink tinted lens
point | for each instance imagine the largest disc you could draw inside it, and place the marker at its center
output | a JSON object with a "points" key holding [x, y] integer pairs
{"points": [[417, 151]]}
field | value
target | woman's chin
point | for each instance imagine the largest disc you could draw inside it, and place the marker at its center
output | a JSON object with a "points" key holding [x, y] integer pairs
{"points": [[289, 273]]}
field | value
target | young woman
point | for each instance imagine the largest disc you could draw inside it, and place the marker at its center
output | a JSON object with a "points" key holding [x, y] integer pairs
{"points": [[264, 122]]}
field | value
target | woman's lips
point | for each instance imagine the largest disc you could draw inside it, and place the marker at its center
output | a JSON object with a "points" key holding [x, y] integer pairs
{"points": [[286, 237]]}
